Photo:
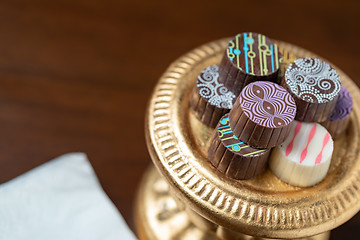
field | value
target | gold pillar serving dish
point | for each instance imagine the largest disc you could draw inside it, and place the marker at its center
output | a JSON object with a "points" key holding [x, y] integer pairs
{"points": [[190, 199]]}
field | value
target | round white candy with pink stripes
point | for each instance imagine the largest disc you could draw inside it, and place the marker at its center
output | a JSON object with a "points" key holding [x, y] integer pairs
{"points": [[303, 159]]}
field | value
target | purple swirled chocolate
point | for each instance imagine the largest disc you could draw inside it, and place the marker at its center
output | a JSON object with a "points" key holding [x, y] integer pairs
{"points": [[262, 114], [343, 105], [339, 120], [267, 104]]}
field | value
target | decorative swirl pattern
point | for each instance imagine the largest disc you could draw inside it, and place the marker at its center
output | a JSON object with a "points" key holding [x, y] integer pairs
{"points": [[254, 54], [267, 104], [312, 80], [343, 106], [210, 88]]}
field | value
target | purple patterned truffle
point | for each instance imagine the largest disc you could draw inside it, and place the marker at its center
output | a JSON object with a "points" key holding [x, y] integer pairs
{"points": [[338, 121], [343, 105], [262, 114]]}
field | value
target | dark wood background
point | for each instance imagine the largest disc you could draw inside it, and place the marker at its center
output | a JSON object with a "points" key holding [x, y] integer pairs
{"points": [[75, 75]]}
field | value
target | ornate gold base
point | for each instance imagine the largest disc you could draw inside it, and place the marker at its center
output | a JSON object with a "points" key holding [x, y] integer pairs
{"points": [[264, 206], [159, 215]]}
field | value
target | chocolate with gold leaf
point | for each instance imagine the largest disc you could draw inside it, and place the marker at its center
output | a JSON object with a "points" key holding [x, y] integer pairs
{"points": [[287, 58]]}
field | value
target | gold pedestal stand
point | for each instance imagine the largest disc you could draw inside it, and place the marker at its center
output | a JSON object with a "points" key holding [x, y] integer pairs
{"points": [[192, 200]]}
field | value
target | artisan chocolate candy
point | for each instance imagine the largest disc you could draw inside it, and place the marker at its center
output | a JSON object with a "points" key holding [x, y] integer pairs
{"points": [[262, 114], [338, 122], [304, 158], [249, 57], [285, 61], [210, 99], [315, 86], [233, 157]]}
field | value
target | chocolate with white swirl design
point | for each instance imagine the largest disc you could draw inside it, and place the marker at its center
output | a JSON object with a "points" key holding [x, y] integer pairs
{"points": [[315, 86], [338, 122], [210, 99], [262, 115]]}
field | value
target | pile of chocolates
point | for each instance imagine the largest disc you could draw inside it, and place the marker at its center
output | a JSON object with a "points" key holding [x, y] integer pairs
{"points": [[269, 107]]}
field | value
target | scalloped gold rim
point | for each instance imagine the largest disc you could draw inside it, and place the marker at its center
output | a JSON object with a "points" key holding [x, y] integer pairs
{"points": [[223, 202]]}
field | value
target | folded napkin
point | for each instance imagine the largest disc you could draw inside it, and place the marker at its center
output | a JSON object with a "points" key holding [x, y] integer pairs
{"points": [[61, 199]]}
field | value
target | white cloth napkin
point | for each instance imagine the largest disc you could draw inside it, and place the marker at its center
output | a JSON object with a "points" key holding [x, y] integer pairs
{"points": [[61, 199]]}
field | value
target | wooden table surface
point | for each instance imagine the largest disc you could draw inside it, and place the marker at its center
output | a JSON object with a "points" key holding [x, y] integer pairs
{"points": [[75, 75]]}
